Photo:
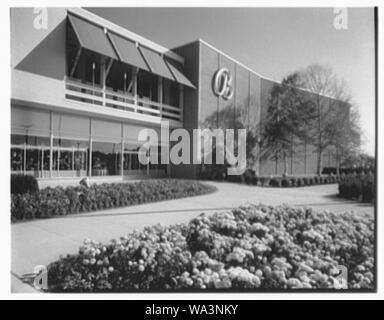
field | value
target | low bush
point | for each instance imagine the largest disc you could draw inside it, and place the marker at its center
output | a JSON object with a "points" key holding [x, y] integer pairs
{"points": [[236, 178], [50, 202], [264, 181], [253, 247], [355, 189], [285, 183], [368, 191], [21, 184], [299, 182], [275, 182], [248, 176], [216, 172], [360, 187]]}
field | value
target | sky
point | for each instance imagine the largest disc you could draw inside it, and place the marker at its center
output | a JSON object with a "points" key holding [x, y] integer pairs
{"points": [[272, 41]]}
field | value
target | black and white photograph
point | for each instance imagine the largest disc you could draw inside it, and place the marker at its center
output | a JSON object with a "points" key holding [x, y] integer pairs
{"points": [[192, 150]]}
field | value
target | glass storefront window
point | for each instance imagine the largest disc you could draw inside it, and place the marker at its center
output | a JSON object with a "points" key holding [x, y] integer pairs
{"points": [[65, 160], [160, 166], [131, 163], [17, 159], [30, 154], [106, 158], [46, 156], [70, 157], [33, 160]]}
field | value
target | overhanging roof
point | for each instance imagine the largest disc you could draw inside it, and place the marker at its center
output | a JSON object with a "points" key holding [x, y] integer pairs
{"points": [[98, 39], [157, 63], [92, 37], [178, 74], [112, 27], [127, 51]]}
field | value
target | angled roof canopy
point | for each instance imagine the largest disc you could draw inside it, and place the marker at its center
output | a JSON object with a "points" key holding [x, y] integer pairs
{"points": [[92, 37], [95, 38], [178, 74], [127, 51], [157, 63]]}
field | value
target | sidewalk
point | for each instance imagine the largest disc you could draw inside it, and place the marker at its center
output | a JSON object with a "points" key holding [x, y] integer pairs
{"points": [[40, 242]]}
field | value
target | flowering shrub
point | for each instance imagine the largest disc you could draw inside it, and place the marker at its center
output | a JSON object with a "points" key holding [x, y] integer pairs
{"points": [[50, 202], [254, 247], [361, 187]]}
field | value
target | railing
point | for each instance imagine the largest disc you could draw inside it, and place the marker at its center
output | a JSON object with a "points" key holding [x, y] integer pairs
{"points": [[94, 94]]}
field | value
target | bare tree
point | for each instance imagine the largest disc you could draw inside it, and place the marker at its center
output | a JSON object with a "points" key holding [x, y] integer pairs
{"points": [[346, 134], [331, 105], [289, 112]]}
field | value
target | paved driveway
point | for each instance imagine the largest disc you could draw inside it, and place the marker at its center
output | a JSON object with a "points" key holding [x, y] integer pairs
{"points": [[40, 242]]}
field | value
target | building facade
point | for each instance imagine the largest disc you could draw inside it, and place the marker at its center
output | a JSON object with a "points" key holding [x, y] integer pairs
{"points": [[83, 87]]}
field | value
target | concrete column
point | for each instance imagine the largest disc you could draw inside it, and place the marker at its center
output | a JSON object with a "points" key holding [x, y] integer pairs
{"points": [[134, 89], [122, 151], [51, 144], [160, 94], [103, 77], [181, 100], [305, 157], [90, 149]]}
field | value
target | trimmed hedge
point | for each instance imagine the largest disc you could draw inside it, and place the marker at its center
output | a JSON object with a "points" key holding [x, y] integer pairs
{"points": [[254, 247], [356, 170], [361, 187], [58, 201], [250, 177], [287, 182], [21, 184]]}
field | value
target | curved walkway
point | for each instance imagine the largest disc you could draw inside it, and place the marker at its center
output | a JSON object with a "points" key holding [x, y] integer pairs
{"points": [[40, 242]]}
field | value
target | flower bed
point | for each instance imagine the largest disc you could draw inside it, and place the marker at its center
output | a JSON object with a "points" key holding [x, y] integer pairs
{"points": [[254, 247], [358, 186], [51, 202]]}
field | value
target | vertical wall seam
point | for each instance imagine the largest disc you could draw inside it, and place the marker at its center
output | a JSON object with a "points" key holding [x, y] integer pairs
{"points": [[217, 97]]}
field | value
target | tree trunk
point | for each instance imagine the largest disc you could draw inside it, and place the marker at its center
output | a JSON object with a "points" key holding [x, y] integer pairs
{"points": [[320, 151], [337, 162], [285, 164], [276, 161], [319, 161]]}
